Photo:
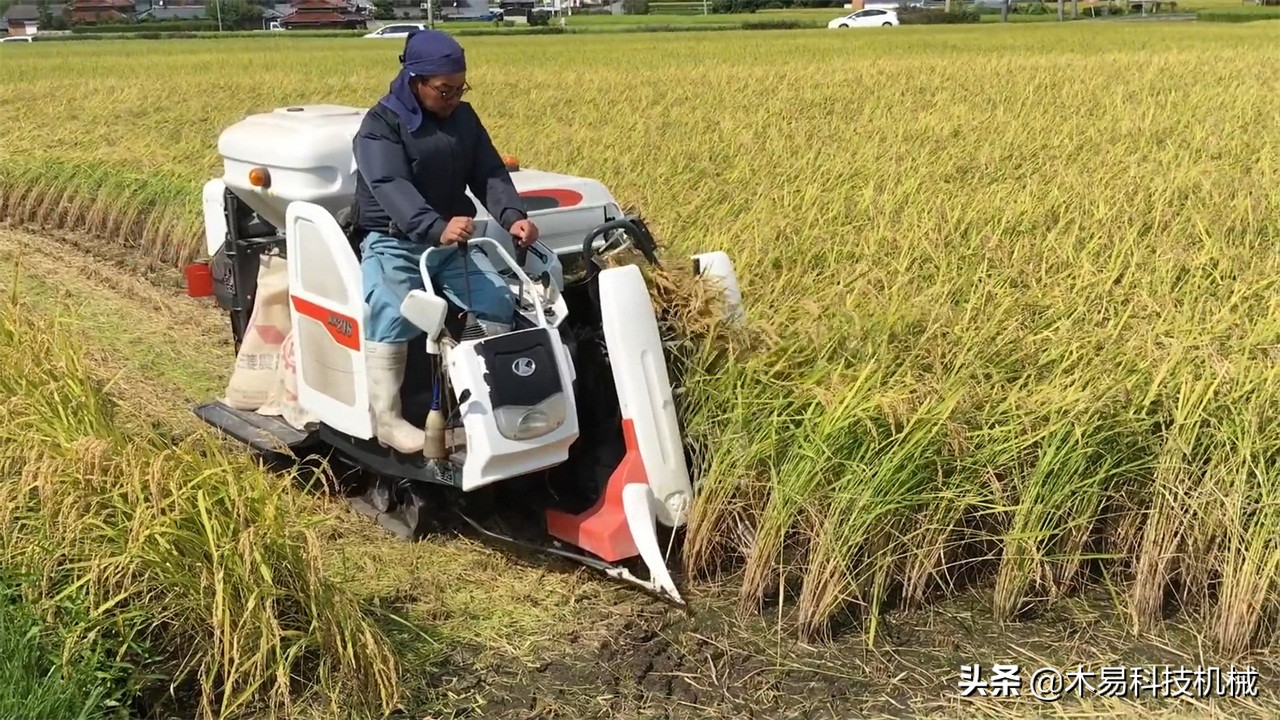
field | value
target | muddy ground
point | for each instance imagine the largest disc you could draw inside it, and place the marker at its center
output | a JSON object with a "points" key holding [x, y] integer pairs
{"points": [[517, 637]]}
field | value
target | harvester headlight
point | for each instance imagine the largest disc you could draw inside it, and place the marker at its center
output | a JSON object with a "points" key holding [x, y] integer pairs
{"points": [[511, 162], [260, 177], [534, 421], [522, 422]]}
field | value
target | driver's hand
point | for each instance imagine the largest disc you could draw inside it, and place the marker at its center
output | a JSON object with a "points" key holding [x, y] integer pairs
{"points": [[524, 232], [459, 228]]}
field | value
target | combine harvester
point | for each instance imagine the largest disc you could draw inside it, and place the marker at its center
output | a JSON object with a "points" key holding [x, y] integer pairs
{"points": [[572, 410]]}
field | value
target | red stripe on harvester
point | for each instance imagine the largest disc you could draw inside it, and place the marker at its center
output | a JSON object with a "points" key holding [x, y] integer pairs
{"points": [[343, 328], [562, 196]]}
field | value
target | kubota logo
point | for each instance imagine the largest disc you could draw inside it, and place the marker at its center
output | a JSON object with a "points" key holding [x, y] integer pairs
{"points": [[523, 367]]}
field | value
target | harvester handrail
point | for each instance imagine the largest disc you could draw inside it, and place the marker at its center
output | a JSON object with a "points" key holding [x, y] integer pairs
{"points": [[525, 281]]}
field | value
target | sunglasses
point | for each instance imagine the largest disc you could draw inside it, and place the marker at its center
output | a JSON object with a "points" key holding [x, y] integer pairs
{"points": [[449, 93]]}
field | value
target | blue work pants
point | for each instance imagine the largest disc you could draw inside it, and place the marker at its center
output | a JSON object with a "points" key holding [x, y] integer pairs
{"points": [[389, 266]]}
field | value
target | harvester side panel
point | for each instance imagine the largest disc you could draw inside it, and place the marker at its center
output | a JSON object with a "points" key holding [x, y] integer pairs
{"points": [[644, 387], [215, 216], [326, 304]]}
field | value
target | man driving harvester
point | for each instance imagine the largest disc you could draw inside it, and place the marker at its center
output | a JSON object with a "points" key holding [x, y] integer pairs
{"points": [[417, 151]]}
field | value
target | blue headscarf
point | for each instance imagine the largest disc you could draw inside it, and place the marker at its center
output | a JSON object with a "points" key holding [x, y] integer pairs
{"points": [[426, 52]]}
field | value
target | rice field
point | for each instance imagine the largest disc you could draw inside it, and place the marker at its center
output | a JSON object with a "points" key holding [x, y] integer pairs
{"points": [[1012, 292], [127, 558]]}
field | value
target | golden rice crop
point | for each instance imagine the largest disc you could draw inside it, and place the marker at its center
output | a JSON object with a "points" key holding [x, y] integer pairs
{"points": [[1012, 288], [200, 567]]}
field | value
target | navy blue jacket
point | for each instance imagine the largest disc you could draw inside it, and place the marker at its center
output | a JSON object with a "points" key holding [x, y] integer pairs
{"points": [[411, 184]]}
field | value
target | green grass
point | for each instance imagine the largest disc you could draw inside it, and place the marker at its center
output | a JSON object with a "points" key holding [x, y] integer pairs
{"points": [[37, 682], [1240, 14]]}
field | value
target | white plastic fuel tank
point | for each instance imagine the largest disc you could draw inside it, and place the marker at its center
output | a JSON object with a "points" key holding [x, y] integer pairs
{"points": [[305, 150]]}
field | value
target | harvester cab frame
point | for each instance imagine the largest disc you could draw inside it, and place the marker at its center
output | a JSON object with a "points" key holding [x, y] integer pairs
{"points": [[571, 411]]}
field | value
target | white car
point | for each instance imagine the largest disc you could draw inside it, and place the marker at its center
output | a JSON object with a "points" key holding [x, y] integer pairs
{"points": [[865, 18], [399, 30], [17, 38]]}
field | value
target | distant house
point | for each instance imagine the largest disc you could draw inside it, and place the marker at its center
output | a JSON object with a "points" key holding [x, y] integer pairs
{"points": [[25, 19], [181, 12], [323, 14], [21, 20], [100, 11], [141, 6], [274, 15]]}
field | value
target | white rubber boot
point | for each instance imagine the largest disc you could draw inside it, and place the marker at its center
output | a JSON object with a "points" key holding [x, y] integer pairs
{"points": [[385, 362]]}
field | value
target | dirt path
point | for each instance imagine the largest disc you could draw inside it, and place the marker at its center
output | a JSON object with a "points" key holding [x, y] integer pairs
{"points": [[524, 640]]}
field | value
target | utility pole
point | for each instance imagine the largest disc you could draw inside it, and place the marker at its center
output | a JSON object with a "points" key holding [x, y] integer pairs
{"points": [[217, 7]]}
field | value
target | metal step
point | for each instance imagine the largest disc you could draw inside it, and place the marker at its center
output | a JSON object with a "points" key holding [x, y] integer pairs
{"points": [[260, 432], [381, 460]]}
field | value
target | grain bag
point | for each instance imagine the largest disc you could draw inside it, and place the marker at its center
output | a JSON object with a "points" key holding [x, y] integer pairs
{"points": [[258, 370], [284, 396]]}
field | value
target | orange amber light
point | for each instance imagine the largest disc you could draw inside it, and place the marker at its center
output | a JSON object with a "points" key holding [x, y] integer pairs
{"points": [[259, 177]]}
